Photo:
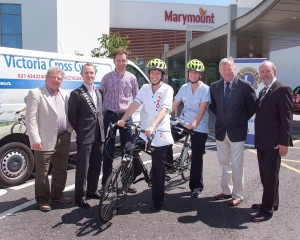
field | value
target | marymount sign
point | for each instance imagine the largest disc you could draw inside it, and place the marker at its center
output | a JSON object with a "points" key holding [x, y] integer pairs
{"points": [[201, 18], [166, 16]]}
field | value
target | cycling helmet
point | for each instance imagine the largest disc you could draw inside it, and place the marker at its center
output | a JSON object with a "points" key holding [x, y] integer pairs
{"points": [[195, 65], [157, 64]]}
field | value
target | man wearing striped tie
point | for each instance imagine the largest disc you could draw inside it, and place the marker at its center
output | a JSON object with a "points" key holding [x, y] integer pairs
{"points": [[273, 126]]}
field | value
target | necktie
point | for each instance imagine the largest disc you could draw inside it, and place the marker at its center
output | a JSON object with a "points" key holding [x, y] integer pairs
{"points": [[226, 93], [262, 94]]}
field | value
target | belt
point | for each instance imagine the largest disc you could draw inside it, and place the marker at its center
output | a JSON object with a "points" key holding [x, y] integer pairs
{"points": [[114, 113]]}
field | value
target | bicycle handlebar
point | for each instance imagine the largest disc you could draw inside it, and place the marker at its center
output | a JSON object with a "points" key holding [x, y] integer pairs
{"points": [[183, 129], [137, 130]]}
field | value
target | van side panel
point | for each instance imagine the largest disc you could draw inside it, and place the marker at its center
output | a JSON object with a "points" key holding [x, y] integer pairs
{"points": [[22, 70]]}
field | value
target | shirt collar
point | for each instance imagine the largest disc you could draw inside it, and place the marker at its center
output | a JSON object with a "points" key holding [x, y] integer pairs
{"points": [[89, 88], [274, 80], [51, 91]]}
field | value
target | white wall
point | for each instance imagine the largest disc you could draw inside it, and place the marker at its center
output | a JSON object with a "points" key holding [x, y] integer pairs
{"points": [[287, 65], [147, 15], [247, 3], [80, 24], [63, 26], [38, 24]]}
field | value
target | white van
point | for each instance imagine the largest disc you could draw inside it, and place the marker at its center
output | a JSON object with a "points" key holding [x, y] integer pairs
{"points": [[21, 70]]}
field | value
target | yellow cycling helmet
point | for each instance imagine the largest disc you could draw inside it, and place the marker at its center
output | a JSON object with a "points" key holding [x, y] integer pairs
{"points": [[195, 65], [157, 63]]}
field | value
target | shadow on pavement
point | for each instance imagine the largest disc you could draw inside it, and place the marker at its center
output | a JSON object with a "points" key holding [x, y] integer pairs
{"points": [[216, 214]]}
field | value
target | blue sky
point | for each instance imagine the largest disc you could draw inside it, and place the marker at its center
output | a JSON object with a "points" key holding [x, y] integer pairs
{"points": [[204, 2]]}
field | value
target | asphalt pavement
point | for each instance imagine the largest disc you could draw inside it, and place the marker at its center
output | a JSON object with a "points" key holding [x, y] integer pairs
{"points": [[181, 218]]}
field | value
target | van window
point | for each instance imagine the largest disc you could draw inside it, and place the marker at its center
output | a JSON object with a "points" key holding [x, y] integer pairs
{"points": [[140, 78]]}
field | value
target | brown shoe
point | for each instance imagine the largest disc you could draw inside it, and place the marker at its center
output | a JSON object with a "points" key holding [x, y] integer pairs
{"points": [[234, 202], [62, 199], [222, 196], [44, 206]]}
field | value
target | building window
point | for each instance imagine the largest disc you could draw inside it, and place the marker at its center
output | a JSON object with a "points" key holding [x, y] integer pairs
{"points": [[10, 25]]}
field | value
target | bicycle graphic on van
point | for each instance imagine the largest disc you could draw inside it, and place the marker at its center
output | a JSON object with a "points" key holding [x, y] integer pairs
{"points": [[19, 126]]}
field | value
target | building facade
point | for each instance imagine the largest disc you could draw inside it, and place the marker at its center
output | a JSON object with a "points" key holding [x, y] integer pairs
{"points": [[62, 26]]}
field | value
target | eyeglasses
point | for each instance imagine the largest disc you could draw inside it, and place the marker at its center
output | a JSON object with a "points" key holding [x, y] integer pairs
{"points": [[55, 78]]}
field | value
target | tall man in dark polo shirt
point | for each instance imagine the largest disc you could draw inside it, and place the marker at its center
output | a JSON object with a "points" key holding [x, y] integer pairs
{"points": [[119, 90]]}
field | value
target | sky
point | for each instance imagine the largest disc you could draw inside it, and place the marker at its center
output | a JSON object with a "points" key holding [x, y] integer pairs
{"points": [[204, 2]]}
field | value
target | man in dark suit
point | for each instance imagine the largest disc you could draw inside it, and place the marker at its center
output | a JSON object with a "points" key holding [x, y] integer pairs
{"points": [[273, 126], [86, 118], [233, 103]]}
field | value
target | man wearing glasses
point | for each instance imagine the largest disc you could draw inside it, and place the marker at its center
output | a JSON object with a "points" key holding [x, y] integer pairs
{"points": [[49, 134]]}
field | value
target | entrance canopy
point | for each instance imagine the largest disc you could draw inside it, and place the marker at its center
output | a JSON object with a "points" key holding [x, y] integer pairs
{"points": [[272, 25]]}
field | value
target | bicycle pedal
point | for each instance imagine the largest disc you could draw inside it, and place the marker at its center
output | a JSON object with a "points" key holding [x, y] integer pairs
{"points": [[167, 178], [170, 170]]}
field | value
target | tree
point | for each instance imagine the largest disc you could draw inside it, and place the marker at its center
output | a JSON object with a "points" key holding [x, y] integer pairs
{"points": [[109, 43]]}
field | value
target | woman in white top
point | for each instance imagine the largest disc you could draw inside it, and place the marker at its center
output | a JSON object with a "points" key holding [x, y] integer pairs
{"points": [[156, 99], [195, 96]]}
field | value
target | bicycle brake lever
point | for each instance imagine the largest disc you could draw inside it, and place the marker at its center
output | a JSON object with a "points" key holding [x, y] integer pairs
{"points": [[148, 143]]}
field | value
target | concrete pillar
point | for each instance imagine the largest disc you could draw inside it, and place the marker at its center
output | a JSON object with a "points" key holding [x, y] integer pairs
{"points": [[188, 52], [231, 37], [166, 49]]}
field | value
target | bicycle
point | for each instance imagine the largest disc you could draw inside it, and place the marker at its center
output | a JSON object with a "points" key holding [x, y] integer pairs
{"points": [[181, 164], [115, 190], [19, 126]]}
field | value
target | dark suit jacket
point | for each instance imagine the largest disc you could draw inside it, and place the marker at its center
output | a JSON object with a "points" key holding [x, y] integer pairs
{"points": [[82, 117], [240, 108], [274, 118]]}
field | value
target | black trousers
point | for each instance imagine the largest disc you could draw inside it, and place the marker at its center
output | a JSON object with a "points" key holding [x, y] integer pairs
{"points": [[198, 141], [269, 165], [88, 167], [109, 145], [159, 155]]}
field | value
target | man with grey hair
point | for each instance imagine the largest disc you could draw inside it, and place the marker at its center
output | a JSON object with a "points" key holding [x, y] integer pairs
{"points": [[233, 103], [273, 126], [49, 134]]}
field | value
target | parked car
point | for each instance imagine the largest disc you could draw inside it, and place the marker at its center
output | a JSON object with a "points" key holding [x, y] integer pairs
{"points": [[296, 99]]}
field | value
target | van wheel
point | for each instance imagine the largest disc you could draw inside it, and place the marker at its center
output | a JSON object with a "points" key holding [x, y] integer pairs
{"points": [[16, 164]]}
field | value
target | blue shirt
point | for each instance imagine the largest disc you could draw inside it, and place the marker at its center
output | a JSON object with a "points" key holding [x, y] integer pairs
{"points": [[192, 103]]}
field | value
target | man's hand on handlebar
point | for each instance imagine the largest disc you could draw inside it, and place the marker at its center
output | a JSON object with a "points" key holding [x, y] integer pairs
{"points": [[121, 123]]}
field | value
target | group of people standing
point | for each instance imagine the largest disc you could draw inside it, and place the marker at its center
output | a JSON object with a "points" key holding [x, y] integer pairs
{"points": [[89, 111]]}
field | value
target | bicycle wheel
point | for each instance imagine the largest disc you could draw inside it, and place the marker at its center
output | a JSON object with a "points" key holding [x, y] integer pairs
{"points": [[186, 167], [109, 198], [18, 128], [115, 191], [125, 178]]}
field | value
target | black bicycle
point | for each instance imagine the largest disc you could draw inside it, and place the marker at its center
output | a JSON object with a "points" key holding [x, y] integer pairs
{"points": [[115, 190]]}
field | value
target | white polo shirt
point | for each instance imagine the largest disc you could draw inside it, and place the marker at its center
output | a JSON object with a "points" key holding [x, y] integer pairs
{"points": [[152, 104]]}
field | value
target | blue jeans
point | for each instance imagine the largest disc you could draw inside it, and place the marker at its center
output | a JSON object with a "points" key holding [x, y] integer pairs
{"points": [[109, 145]]}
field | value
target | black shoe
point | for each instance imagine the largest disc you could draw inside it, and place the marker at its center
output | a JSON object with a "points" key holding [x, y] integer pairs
{"points": [[96, 195], [156, 206], [260, 217], [83, 204], [257, 206]]}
